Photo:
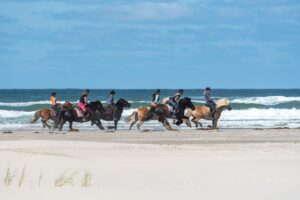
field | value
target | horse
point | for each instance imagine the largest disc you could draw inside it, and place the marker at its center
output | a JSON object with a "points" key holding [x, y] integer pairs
{"points": [[74, 114], [112, 113], [48, 114], [204, 112], [162, 112]]}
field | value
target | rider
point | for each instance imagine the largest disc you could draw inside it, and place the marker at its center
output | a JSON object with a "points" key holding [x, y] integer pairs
{"points": [[111, 98], [153, 104], [53, 99], [83, 102], [173, 101], [55, 105], [209, 101]]}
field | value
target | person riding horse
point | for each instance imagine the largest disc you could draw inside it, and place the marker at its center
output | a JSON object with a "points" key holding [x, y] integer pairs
{"points": [[55, 106], [83, 102], [173, 101], [209, 101], [111, 98], [155, 101], [111, 103]]}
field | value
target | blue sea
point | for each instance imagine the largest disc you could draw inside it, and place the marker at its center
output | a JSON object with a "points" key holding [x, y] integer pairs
{"points": [[252, 108]]}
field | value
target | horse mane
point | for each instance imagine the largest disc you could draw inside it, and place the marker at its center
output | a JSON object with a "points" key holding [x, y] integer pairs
{"points": [[222, 102]]}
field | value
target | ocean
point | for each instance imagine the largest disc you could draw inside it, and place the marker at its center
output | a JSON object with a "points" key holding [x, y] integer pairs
{"points": [[251, 108]]}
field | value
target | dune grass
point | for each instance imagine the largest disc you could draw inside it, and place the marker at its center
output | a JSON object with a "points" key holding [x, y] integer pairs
{"points": [[86, 180], [9, 177], [66, 178], [22, 176]]}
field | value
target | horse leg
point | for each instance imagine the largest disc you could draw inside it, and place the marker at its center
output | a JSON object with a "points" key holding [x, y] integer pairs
{"points": [[167, 125], [71, 126], [214, 123], [99, 124], [116, 124], [61, 124], [139, 124], [131, 125], [45, 124], [196, 122], [187, 122]]}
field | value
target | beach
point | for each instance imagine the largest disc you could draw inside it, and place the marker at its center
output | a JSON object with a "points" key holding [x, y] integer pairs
{"points": [[186, 164]]}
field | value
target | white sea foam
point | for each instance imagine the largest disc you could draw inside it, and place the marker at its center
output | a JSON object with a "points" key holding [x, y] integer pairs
{"points": [[262, 114], [14, 114], [20, 104], [269, 100]]}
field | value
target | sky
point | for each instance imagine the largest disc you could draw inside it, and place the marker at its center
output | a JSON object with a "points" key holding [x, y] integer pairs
{"points": [[149, 44]]}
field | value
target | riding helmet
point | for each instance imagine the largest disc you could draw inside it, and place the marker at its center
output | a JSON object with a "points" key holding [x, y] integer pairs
{"points": [[207, 88], [157, 91], [112, 92], [180, 91], [53, 94]]}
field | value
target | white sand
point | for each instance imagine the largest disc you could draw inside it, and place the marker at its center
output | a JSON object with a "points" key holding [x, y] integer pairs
{"points": [[231, 164]]}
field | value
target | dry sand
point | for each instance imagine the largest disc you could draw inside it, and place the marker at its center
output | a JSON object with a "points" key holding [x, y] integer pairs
{"points": [[202, 164]]}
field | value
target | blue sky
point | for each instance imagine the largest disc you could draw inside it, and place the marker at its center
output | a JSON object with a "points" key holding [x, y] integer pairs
{"points": [[149, 44]]}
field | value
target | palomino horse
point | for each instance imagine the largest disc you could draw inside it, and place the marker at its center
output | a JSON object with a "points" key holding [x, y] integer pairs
{"points": [[162, 112], [203, 112], [47, 114]]}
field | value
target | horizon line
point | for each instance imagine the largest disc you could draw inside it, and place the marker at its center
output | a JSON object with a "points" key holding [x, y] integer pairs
{"points": [[148, 88]]}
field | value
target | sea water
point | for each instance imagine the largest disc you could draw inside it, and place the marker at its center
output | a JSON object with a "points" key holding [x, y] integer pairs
{"points": [[251, 108]]}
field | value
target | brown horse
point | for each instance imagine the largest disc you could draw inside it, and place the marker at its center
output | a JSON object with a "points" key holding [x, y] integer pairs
{"points": [[203, 112], [47, 114], [140, 116], [162, 112]]}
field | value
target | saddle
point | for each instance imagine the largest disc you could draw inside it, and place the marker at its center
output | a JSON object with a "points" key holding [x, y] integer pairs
{"points": [[79, 112]]}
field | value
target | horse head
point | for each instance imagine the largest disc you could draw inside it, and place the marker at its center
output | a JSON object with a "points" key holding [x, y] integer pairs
{"points": [[186, 102], [223, 103], [123, 103]]}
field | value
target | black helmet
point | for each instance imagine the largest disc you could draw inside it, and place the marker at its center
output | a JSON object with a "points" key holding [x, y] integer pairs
{"points": [[207, 88], [87, 91], [180, 91], [112, 92], [157, 91], [53, 94]]}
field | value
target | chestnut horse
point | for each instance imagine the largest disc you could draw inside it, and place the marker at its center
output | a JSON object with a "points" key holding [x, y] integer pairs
{"points": [[162, 112], [203, 112], [47, 114]]}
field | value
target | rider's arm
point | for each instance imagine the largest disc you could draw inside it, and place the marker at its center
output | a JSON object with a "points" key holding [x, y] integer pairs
{"points": [[156, 98]]}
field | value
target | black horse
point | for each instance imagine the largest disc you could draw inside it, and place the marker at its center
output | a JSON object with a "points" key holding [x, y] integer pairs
{"points": [[182, 105], [70, 115], [112, 113], [162, 112]]}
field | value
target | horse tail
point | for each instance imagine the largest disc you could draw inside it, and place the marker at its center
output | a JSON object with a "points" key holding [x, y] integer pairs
{"points": [[36, 116], [131, 117]]}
